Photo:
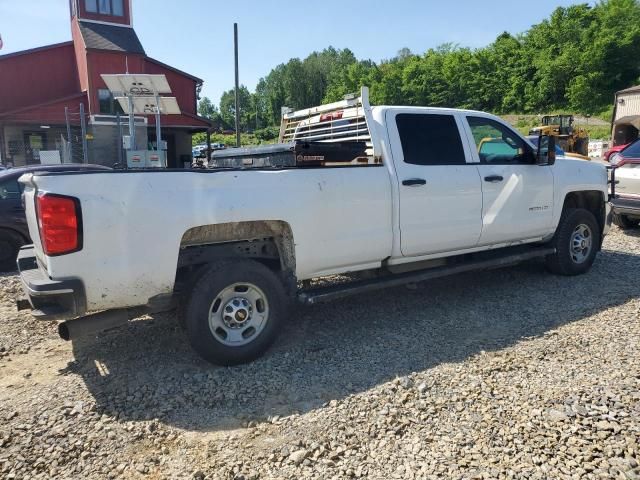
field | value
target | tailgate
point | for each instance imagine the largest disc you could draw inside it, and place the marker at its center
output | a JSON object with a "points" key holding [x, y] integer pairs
{"points": [[118, 242]]}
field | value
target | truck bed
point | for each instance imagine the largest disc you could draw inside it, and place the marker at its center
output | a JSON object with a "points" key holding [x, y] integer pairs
{"points": [[135, 222]]}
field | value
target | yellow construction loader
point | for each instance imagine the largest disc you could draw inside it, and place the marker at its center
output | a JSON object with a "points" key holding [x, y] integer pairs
{"points": [[570, 139]]}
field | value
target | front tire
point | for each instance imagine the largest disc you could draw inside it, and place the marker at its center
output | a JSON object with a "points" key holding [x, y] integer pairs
{"points": [[576, 241], [625, 222], [235, 311]]}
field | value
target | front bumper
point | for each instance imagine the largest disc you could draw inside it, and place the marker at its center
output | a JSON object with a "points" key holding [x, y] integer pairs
{"points": [[48, 299], [626, 206]]}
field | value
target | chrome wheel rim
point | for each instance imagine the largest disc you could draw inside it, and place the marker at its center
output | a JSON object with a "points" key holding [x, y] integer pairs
{"points": [[581, 243], [238, 314]]}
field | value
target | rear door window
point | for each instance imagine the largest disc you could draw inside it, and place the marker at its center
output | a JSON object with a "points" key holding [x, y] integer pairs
{"points": [[10, 190], [430, 139]]}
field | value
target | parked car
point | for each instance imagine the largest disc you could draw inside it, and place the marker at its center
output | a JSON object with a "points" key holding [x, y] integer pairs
{"points": [[198, 151], [626, 203], [629, 154], [13, 225], [613, 150], [413, 200]]}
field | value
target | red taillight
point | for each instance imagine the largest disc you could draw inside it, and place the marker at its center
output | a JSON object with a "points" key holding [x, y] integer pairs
{"points": [[59, 222]]}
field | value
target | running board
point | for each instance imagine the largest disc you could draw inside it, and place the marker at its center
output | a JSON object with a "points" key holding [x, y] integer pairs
{"points": [[325, 294]]}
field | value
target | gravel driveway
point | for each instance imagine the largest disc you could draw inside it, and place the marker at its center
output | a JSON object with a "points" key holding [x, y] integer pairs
{"points": [[510, 373]]}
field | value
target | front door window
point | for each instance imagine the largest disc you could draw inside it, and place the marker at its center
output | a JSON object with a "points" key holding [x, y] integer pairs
{"points": [[497, 144]]}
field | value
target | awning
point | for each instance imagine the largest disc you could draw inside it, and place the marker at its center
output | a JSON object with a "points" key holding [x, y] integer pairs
{"points": [[629, 120]]}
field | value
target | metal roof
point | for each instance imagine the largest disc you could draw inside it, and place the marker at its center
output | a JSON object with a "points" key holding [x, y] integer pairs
{"points": [[110, 37], [35, 50], [174, 69], [629, 119], [630, 90]]}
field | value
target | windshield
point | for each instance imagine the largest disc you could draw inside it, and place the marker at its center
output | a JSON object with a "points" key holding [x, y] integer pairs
{"points": [[562, 120]]}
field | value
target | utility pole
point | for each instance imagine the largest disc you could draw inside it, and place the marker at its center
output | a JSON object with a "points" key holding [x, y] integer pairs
{"points": [[235, 47]]}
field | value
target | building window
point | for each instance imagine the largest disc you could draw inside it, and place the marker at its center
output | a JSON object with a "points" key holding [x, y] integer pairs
{"points": [[117, 8], [105, 7], [91, 6], [108, 104]]}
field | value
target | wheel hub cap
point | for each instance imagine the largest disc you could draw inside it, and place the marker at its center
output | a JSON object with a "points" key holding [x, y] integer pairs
{"points": [[581, 243], [238, 314]]}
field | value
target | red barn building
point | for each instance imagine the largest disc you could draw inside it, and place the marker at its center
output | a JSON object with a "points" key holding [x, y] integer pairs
{"points": [[36, 85]]}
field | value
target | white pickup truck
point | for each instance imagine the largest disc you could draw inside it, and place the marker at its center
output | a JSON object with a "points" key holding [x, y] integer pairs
{"points": [[389, 195]]}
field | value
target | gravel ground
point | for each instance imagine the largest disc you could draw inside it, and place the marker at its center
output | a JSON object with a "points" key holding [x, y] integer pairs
{"points": [[510, 373]]}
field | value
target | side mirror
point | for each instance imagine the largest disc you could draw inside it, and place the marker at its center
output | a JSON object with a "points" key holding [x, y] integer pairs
{"points": [[546, 154]]}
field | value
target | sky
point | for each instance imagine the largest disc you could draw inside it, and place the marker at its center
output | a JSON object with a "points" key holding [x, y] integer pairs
{"points": [[197, 35]]}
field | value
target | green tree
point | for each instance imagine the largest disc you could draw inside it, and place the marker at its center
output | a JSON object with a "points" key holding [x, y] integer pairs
{"points": [[573, 60], [228, 108], [207, 109]]}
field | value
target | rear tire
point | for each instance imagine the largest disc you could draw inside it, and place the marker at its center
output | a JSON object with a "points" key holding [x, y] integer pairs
{"points": [[10, 243], [576, 241], [235, 311], [625, 222]]}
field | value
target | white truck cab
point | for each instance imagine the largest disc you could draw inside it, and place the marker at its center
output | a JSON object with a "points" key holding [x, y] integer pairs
{"points": [[388, 195]]}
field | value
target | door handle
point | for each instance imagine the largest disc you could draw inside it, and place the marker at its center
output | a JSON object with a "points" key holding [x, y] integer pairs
{"points": [[414, 182], [493, 178]]}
